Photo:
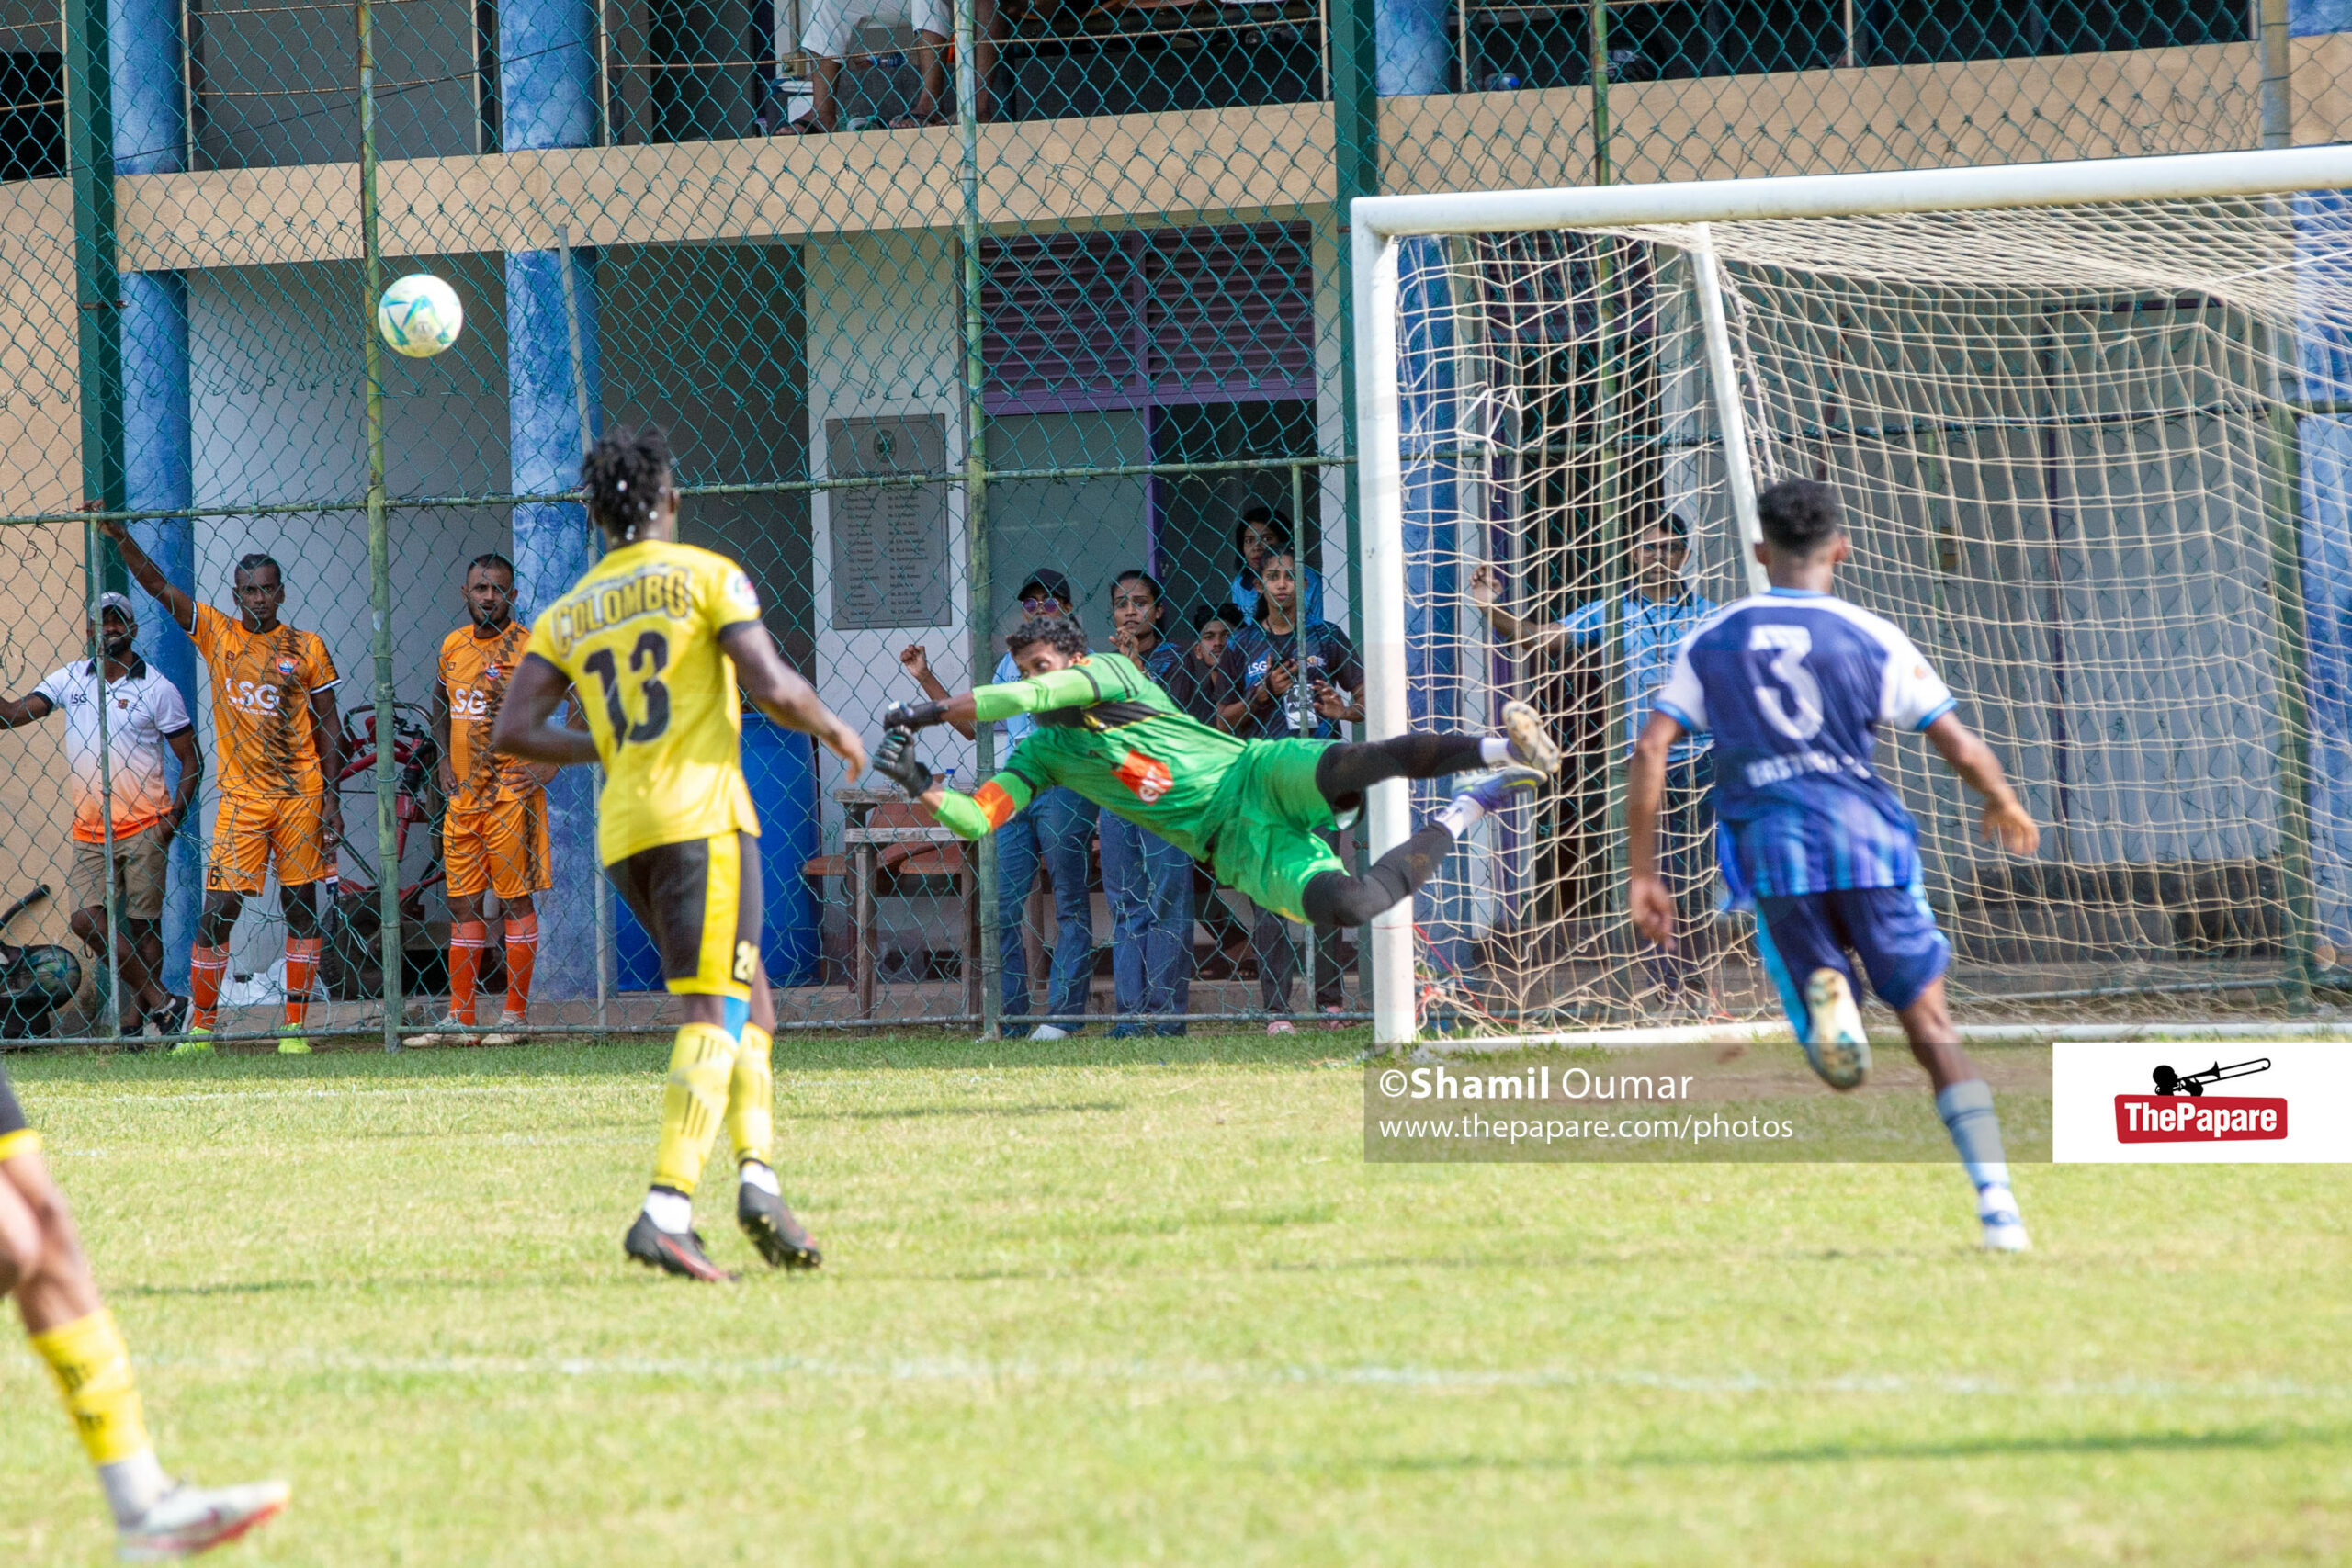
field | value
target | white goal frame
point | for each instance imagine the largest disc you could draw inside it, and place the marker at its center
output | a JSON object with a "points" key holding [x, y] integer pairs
{"points": [[1377, 222]]}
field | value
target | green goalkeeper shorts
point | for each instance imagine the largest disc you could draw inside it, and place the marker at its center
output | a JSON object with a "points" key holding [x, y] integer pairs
{"points": [[1271, 818]]}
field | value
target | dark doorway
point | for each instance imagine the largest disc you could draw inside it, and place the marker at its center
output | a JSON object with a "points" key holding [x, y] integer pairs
{"points": [[1194, 516]]}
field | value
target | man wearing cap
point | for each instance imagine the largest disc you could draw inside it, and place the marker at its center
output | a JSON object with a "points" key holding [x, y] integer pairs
{"points": [[145, 716], [1059, 837]]}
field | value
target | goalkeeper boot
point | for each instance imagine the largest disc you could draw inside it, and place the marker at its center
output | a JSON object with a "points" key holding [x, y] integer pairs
{"points": [[2004, 1227], [1507, 785], [771, 1228], [673, 1252], [293, 1045], [1837, 1048], [197, 1044], [189, 1519], [1532, 745]]}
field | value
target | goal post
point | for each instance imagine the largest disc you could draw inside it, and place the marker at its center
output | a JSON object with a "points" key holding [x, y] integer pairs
{"points": [[2089, 422]]}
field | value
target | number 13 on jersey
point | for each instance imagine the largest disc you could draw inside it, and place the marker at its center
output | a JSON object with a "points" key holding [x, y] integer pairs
{"points": [[647, 696]]}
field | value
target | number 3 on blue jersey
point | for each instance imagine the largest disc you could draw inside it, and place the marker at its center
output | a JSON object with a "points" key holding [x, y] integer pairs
{"points": [[1788, 645]]}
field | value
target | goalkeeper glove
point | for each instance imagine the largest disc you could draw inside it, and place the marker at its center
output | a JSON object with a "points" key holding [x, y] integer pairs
{"points": [[913, 715], [898, 763]]}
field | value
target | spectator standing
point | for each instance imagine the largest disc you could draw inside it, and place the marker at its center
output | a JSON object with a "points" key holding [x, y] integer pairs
{"points": [[1150, 880], [1656, 613], [832, 28], [1261, 532], [1056, 834], [1205, 682], [145, 717], [1300, 680]]}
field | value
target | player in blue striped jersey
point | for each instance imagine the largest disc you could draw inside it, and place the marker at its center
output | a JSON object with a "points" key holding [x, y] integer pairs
{"points": [[1792, 684]]}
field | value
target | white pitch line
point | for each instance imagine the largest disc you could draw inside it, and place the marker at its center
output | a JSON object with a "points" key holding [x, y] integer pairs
{"points": [[965, 1370]]}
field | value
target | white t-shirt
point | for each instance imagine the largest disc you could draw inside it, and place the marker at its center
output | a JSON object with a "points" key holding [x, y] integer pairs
{"points": [[144, 709]]}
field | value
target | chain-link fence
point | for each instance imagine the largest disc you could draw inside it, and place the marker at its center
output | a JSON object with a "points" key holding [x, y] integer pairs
{"points": [[944, 308]]}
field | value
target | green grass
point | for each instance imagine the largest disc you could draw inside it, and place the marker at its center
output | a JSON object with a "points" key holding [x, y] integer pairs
{"points": [[1083, 1304]]}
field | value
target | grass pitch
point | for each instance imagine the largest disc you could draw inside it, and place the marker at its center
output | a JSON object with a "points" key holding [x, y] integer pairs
{"points": [[1115, 1302]]}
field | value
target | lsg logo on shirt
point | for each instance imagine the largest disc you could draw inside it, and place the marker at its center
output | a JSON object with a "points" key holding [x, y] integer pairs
{"points": [[1148, 776]]}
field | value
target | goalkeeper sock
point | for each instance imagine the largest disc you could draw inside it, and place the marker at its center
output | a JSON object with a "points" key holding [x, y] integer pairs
{"points": [[750, 1097], [1495, 751], [466, 940], [208, 967], [1464, 813], [92, 1366], [701, 1062], [521, 953], [1967, 1110], [302, 974]]}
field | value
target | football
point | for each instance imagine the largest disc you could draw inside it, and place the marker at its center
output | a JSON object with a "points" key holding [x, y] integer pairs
{"points": [[420, 316]]}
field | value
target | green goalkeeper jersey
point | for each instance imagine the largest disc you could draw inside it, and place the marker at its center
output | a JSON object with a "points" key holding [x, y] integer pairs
{"points": [[1106, 732]]}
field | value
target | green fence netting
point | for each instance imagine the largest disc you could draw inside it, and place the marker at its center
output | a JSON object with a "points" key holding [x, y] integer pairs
{"points": [[940, 305]]}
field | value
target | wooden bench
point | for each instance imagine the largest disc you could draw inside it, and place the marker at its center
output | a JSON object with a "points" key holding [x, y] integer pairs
{"points": [[887, 851]]}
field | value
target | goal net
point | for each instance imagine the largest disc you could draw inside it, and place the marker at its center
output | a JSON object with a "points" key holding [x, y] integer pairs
{"points": [[2094, 461]]}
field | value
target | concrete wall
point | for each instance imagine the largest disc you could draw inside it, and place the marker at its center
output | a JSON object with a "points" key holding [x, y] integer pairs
{"points": [[279, 413]]}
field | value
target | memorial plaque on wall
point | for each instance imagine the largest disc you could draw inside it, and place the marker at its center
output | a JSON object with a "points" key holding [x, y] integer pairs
{"points": [[890, 560]]}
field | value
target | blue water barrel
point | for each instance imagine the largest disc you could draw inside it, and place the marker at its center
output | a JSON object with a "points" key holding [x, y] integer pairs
{"points": [[781, 767]]}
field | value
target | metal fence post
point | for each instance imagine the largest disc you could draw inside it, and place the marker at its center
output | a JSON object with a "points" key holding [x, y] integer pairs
{"points": [[94, 582], [1354, 84], [979, 588], [380, 553], [587, 440]]}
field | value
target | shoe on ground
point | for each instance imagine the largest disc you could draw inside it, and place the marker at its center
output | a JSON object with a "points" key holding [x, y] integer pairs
{"points": [[447, 1029], [172, 1017], [1282, 1026], [1997, 1211], [197, 1044], [189, 1519], [1507, 786], [1331, 1018], [1532, 745], [1048, 1031], [679, 1254], [506, 1032], [771, 1228], [1838, 1049], [293, 1045]]}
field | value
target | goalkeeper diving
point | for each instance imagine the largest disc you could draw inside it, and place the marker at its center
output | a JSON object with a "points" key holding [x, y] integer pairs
{"points": [[1250, 810]]}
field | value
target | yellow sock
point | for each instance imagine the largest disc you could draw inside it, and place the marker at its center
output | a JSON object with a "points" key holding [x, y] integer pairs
{"points": [[750, 1097], [693, 1104], [93, 1369]]}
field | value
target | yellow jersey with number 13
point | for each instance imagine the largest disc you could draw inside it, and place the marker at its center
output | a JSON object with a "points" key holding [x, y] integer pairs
{"points": [[639, 640]]}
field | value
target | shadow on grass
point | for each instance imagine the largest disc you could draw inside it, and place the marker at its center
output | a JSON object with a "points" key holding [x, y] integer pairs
{"points": [[563, 1057], [1846, 1451]]}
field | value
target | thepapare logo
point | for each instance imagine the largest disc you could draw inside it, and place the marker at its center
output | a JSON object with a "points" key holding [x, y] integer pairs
{"points": [[1148, 776], [2181, 1113]]}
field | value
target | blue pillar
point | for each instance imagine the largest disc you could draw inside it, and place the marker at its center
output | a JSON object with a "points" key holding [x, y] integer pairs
{"points": [[1428, 431], [548, 99], [1416, 57], [150, 131]]}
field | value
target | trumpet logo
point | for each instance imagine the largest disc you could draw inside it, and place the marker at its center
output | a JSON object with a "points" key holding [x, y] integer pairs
{"points": [[2170, 1082], [2179, 1112]]}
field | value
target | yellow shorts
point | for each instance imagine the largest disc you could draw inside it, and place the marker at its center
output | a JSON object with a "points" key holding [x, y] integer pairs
{"points": [[700, 903], [250, 831], [502, 847]]}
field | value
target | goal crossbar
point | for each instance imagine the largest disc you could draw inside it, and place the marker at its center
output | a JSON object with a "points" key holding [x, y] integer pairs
{"points": [[1378, 223]]}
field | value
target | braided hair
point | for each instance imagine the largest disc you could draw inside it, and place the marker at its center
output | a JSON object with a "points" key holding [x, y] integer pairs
{"points": [[624, 475]]}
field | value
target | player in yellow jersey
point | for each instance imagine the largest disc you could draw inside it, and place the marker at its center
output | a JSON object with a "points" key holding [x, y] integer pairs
{"points": [[656, 639], [43, 1267]]}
